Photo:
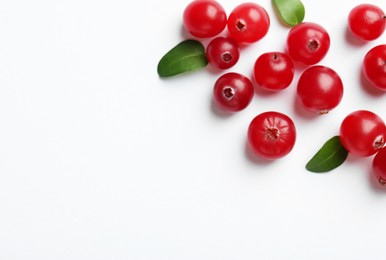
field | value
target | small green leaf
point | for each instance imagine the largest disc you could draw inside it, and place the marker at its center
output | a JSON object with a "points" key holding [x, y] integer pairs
{"points": [[331, 155], [188, 55], [290, 11]]}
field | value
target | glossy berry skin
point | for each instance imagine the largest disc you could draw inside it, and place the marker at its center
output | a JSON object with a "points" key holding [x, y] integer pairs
{"points": [[204, 18], [308, 43], [233, 92], [273, 71], [271, 135], [374, 66], [223, 53], [248, 23], [367, 22], [379, 166], [319, 89], [362, 133]]}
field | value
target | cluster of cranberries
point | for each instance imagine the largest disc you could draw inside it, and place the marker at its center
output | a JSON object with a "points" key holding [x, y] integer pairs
{"points": [[272, 135]]}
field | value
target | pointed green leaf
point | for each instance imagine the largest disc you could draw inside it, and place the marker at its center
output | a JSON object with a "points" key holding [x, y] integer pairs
{"points": [[290, 11], [189, 55], [331, 155]]}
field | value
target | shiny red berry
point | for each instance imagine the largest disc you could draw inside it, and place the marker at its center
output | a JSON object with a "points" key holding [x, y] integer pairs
{"points": [[374, 66], [367, 21], [204, 18], [273, 71], [379, 166], [362, 133], [222, 53], [320, 89], [248, 23], [271, 135], [308, 43], [233, 92]]}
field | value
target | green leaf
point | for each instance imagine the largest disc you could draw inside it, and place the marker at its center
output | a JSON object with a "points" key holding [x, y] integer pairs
{"points": [[331, 155], [290, 11], [188, 55]]}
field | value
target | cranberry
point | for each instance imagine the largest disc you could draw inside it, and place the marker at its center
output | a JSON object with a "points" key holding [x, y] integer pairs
{"points": [[271, 135], [248, 23], [367, 22], [273, 71], [319, 89], [233, 92], [374, 66], [222, 53], [204, 18], [308, 43], [362, 133]]}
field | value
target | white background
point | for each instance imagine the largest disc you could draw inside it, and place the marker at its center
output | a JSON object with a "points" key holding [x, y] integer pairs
{"points": [[102, 159]]}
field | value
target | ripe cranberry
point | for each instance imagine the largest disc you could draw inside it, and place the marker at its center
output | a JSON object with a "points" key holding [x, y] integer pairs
{"points": [[308, 43], [319, 89], [204, 18], [362, 133], [273, 71], [367, 22], [233, 92], [379, 166], [271, 135], [222, 53], [248, 23], [374, 66]]}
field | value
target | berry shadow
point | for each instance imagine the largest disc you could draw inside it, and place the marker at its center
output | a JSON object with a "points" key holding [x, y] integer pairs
{"points": [[185, 35], [178, 77], [301, 112], [259, 91], [368, 87], [300, 67], [215, 71], [218, 112], [254, 159], [366, 163], [352, 39]]}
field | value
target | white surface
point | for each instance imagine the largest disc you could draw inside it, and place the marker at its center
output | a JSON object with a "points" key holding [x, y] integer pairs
{"points": [[102, 159]]}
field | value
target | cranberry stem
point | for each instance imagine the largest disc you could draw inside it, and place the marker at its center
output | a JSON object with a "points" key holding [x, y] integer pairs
{"points": [[379, 142], [227, 57], [228, 92], [313, 44], [240, 25], [273, 133]]}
